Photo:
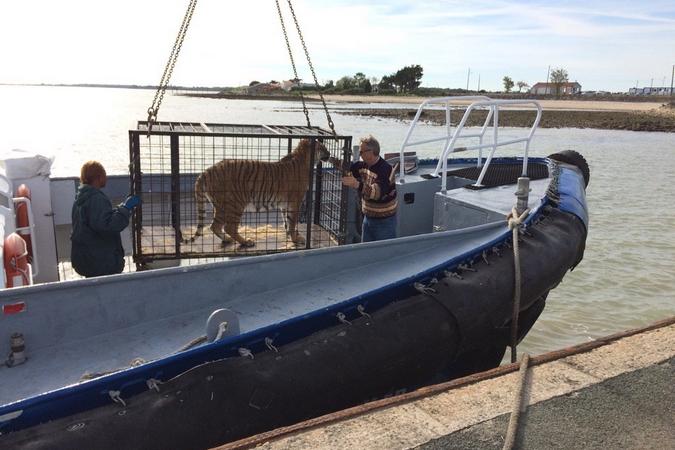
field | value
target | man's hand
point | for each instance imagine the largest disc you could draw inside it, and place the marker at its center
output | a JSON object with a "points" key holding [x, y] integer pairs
{"points": [[350, 181]]}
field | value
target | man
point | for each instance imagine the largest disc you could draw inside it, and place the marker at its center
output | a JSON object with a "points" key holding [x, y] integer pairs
{"points": [[96, 243], [374, 178]]}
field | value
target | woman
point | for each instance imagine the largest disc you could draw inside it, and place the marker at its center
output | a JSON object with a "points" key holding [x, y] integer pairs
{"points": [[96, 243]]}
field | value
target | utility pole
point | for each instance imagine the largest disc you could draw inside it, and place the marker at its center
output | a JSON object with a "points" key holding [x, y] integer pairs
{"points": [[548, 73], [671, 81], [468, 75], [478, 83]]}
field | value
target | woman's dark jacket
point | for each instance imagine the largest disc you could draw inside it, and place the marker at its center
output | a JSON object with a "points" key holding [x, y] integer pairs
{"points": [[96, 243]]}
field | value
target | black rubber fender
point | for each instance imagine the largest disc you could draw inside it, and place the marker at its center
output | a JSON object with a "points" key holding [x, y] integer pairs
{"points": [[576, 159]]}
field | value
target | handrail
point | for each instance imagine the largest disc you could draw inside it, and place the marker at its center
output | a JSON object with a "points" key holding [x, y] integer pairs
{"points": [[451, 138], [432, 101]]}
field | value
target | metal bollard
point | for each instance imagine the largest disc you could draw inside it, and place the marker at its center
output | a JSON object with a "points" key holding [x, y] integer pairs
{"points": [[17, 346], [522, 194]]}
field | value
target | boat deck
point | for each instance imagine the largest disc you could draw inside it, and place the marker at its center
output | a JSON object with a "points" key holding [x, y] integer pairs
{"points": [[67, 362]]}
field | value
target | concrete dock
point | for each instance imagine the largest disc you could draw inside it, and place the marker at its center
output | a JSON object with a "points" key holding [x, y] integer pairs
{"points": [[614, 392]]}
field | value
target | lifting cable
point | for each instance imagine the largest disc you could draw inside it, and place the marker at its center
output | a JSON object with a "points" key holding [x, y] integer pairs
{"points": [[153, 110], [290, 54], [309, 62]]}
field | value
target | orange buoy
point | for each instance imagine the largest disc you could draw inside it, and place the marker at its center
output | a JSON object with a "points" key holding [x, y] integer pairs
{"points": [[16, 261], [22, 221]]}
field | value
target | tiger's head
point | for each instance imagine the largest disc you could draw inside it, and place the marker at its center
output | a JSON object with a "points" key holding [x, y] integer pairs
{"points": [[321, 153]]}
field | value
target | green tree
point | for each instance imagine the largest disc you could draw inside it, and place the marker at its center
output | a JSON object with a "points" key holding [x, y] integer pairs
{"points": [[386, 83], [345, 83], [407, 78], [559, 77], [522, 85], [253, 83], [508, 83], [359, 79], [329, 85], [367, 87]]}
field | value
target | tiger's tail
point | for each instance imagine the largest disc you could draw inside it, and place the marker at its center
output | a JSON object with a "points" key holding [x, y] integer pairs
{"points": [[200, 199]]}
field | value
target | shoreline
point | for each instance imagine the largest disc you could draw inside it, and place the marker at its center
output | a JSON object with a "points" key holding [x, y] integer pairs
{"points": [[550, 118], [573, 113]]}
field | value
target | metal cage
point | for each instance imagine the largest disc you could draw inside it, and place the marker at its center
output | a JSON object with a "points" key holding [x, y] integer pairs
{"points": [[166, 164]]}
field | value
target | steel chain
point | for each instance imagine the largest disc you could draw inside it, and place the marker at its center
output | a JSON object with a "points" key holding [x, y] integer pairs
{"points": [[290, 54], [311, 67], [153, 110]]}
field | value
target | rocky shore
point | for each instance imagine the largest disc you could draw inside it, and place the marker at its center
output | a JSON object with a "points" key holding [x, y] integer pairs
{"points": [[606, 115], [654, 120]]}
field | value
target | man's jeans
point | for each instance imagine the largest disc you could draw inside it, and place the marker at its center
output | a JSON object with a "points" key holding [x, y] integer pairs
{"points": [[378, 229]]}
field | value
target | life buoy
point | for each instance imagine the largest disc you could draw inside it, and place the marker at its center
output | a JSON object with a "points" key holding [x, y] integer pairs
{"points": [[16, 261], [22, 221]]}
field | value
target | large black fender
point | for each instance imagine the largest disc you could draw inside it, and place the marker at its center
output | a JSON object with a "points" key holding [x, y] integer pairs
{"points": [[481, 300], [575, 159]]}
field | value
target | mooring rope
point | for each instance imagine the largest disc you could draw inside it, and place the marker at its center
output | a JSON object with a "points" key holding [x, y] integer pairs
{"points": [[515, 222], [518, 405]]}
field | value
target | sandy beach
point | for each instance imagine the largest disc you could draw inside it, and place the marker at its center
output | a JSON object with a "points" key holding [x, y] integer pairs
{"points": [[569, 105]]}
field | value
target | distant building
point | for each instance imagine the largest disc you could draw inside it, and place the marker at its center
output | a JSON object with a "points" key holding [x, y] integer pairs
{"points": [[649, 91], [550, 88], [263, 88]]}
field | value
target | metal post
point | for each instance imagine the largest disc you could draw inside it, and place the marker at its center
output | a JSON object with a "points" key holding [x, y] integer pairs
{"points": [[308, 197], [175, 192], [548, 74], [522, 194], [318, 192], [135, 189], [344, 193], [468, 76], [671, 81]]}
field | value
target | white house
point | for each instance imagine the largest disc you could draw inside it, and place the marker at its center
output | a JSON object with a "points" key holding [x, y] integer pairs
{"points": [[550, 88]]}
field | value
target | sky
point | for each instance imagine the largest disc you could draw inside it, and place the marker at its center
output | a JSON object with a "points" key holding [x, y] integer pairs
{"points": [[604, 45]]}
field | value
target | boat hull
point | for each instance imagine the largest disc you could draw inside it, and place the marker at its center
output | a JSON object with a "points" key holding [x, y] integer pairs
{"points": [[423, 333]]}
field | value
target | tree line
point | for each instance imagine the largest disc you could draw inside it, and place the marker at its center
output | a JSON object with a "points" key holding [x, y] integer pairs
{"points": [[404, 80], [408, 80]]}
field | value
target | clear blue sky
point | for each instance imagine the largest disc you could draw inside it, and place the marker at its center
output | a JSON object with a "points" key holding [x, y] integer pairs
{"points": [[606, 45]]}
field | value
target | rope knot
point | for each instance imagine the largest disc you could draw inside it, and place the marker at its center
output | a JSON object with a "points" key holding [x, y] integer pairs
{"points": [[516, 220]]}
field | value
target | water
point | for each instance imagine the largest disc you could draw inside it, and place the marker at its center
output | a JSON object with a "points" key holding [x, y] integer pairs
{"points": [[627, 277]]}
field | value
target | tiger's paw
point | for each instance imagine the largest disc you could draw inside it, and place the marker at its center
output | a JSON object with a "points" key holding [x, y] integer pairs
{"points": [[248, 243], [226, 241], [299, 241]]}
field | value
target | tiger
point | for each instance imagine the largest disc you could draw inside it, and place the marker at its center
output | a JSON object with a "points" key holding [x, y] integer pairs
{"points": [[232, 184]]}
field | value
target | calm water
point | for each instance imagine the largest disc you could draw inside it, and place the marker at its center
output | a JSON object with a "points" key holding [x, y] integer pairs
{"points": [[627, 278]]}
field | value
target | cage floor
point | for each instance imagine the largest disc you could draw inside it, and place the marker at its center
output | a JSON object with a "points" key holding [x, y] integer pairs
{"points": [[161, 241]]}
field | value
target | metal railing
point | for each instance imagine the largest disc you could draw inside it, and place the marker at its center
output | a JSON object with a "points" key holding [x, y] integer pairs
{"points": [[478, 102]]}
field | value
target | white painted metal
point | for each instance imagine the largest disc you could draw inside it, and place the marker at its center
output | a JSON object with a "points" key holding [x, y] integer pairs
{"points": [[450, 139], [447, 103]]}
